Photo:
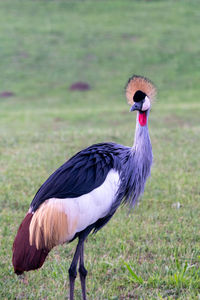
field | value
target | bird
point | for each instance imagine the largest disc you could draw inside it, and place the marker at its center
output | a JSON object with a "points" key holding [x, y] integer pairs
{"points": [[82, 195]]}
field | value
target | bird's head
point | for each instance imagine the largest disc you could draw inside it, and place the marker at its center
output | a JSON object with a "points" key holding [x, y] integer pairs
{"points": [[140, 92]]}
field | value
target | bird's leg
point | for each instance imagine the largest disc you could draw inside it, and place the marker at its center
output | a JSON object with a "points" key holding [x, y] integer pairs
{"points": [[72, 269], [78, 253], [82, 272]]}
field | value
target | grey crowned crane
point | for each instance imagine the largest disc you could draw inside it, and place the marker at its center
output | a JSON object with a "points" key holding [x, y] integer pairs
{"points": [[83, 194]]}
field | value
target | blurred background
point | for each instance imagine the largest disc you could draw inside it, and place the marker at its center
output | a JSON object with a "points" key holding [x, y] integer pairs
{"points": [[63, 68]]}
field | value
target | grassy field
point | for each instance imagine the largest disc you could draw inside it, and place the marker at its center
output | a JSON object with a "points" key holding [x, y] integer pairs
{"points": [[154, 252]]}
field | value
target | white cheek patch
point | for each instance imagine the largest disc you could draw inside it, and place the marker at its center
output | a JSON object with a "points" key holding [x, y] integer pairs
{"points": [[146, 105]]}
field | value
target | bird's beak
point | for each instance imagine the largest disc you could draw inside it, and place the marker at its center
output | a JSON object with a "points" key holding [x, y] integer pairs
{"points": [[137, 106]]}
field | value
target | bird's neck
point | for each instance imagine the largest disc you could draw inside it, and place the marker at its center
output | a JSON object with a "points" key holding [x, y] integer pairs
{"points": [[142, 143], [139, 164]]}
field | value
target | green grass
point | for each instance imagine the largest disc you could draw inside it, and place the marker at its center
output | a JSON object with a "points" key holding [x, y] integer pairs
{"points": [[154, 252]]}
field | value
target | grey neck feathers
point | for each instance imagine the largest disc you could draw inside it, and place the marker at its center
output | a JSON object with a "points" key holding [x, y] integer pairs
{"points": [[135, 168], [141, 163]]}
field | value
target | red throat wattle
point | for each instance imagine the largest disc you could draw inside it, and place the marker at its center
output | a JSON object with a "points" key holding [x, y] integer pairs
{"points": [[142, 118]]}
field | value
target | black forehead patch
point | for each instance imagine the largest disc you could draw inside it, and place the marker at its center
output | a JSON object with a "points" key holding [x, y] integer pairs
{"points": [[139, 96]]}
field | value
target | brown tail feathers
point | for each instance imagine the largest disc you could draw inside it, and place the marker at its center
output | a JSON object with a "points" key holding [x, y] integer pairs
{"points": [[38, 234], [26, 257]]}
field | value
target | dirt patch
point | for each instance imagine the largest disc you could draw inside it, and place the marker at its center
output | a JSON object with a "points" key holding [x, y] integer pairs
{"points": [[6, 94], [58, 119], [130, 37], [80, 86], [23, 54]]}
